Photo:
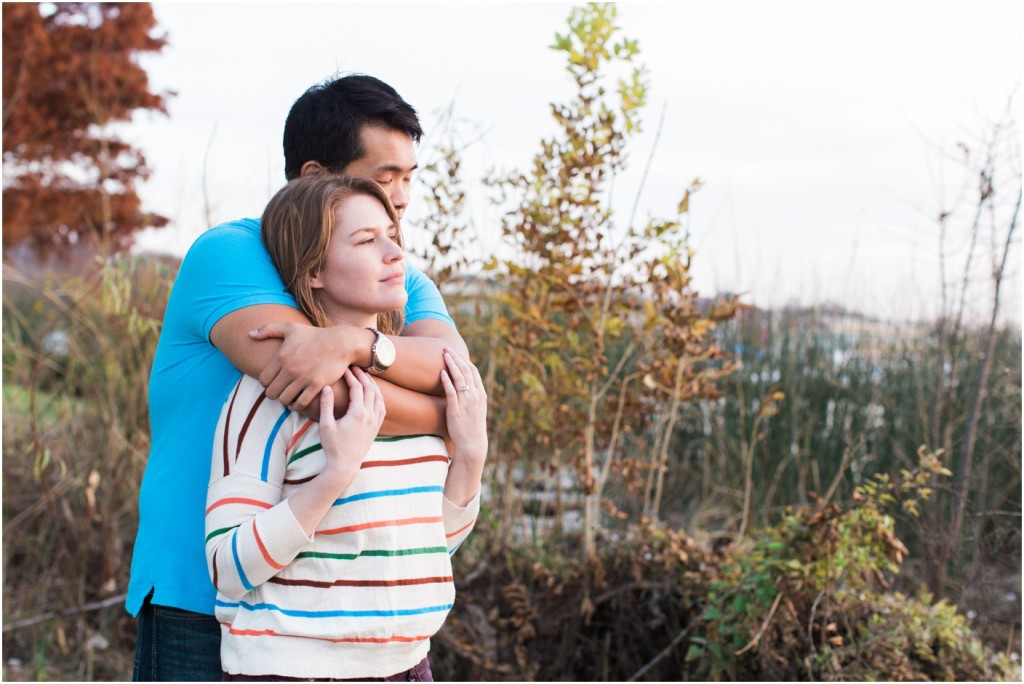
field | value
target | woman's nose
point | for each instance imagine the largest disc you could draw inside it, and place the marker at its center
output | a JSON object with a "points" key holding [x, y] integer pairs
{"points": [[395, 253]]}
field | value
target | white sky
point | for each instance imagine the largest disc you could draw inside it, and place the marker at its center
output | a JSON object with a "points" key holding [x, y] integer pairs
{"points": [[821, 129]]}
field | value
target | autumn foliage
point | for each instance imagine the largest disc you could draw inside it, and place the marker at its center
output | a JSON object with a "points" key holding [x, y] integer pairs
{"points": [[70, 76]]}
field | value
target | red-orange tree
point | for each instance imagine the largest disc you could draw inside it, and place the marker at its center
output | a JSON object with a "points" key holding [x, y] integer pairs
{"points": [[70, 75]]}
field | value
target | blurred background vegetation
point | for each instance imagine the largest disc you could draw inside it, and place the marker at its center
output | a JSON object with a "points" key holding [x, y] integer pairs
{"points": [[679, 487]]}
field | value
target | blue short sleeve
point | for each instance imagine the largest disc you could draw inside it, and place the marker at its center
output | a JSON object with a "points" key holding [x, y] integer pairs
{"points": [[425, 301], [225, 270]]}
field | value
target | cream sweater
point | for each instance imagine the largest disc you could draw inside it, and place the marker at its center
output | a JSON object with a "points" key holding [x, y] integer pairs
{"points": [[363, 596]]}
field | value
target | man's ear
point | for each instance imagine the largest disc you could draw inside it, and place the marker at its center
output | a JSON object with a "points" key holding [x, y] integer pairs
{"points": [[310, 168]]}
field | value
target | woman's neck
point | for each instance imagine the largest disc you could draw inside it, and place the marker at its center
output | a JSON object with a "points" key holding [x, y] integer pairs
{"points": [[360, 319]]}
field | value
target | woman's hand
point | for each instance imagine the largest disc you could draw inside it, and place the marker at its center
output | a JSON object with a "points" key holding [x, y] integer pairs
{"points": [[345, 443], [466, 410], [347, 440], [466, 413]]}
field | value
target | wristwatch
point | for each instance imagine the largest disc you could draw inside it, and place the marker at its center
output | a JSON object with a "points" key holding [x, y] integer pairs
{"points": [[382, 353]]}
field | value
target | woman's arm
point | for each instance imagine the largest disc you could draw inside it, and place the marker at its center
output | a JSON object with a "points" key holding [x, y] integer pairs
{"points": [[345, 443], [251, 532], [466, 413]]}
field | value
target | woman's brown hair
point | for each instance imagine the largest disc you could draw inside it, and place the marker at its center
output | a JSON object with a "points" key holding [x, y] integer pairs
{"points": [[297, 226]]}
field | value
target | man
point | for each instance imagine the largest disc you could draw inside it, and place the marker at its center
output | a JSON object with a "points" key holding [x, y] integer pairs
{"points": [[228, 313]]}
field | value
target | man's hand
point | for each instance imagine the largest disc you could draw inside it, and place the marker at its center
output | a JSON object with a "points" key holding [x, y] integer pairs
{"points": [[308, 359]]}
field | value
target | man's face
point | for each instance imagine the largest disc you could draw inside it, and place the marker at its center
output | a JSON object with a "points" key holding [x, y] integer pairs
{"points": [[390, 160]]}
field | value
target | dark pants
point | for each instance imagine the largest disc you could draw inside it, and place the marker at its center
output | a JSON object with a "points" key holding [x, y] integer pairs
{"points": [[176, 645]]}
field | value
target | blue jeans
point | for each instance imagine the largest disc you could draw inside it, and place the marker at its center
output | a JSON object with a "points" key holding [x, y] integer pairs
{"points": [[176, 645]]}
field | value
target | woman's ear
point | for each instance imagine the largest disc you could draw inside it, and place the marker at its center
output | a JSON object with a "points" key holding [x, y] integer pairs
{"points": [[315, 282]]}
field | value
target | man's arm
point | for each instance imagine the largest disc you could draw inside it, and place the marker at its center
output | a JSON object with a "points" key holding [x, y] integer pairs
{"points": [[230, 335], [294, 369], [420, 355], [418, 363]]}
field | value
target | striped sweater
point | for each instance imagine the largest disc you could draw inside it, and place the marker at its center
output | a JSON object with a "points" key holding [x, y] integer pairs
{"points": [[363, 596]]}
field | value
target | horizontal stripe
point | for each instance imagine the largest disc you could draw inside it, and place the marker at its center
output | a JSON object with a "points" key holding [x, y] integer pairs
{"points": [[405, 461], [305, 452], [238, 564], [374, 553], [302, 430], [263, 549], [361, 583], [248, 421], [401, 438], [227, 427], [376, 464], [381, 523], [398, 612], [237, 500], [269, 447], [461, 529], [220, 532], [342, 640], [389, 492]]}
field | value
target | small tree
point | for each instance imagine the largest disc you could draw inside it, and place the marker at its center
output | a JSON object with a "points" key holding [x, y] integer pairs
{"points": [[988, 206], [70, 74], [601, 337]]}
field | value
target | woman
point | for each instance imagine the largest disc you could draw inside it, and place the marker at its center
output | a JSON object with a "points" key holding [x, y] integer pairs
{"points": [[330, 547]]}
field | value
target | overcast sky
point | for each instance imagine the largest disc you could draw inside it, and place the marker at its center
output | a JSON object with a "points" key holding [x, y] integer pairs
{"points": [[825, 132]]}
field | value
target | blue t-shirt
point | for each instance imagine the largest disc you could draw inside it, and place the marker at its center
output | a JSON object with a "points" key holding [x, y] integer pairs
{"points": [[225, 270]]}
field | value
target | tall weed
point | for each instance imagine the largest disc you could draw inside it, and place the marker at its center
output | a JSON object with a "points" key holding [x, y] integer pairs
{"points": [[76, 359]]}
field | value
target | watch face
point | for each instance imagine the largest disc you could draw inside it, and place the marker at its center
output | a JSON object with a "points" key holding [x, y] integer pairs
{"points": [[385, 352]]}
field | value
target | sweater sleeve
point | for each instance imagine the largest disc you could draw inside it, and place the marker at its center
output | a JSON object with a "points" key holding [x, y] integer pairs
{"points": [[251, 533], [459, 521]]}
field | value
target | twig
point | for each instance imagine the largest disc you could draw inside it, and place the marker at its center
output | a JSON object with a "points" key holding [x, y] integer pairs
{"points": [[837, 480], [629, 587], [647, 167], [661, 656], [764, 626], [810, 633], [95, 605]]}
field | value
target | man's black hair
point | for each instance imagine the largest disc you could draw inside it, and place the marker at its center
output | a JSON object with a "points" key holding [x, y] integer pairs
{"points": [[324, 123]]}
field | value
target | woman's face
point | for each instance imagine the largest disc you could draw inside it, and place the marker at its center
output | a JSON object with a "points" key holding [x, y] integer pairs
{"points": [[364, 272]]}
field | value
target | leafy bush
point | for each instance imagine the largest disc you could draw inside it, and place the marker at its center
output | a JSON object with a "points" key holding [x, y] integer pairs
{"points": [[804, 599]]}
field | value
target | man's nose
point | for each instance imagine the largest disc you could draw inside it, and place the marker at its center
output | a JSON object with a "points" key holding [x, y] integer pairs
{"points": [[400, 198]]}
